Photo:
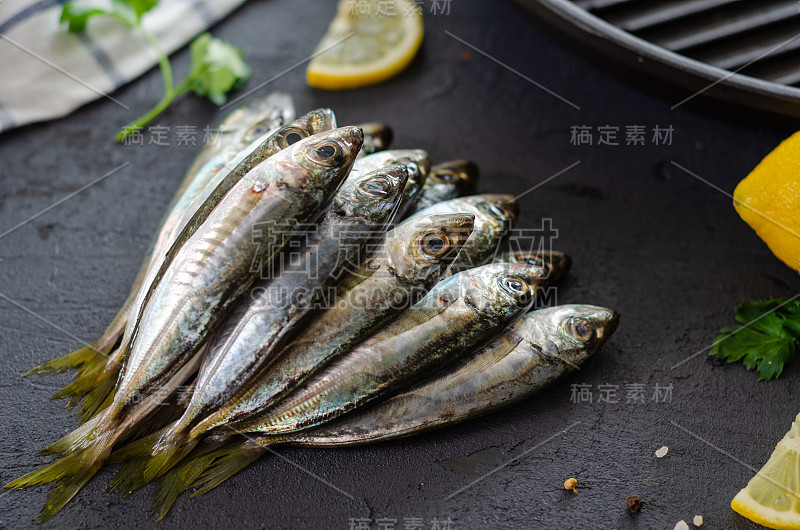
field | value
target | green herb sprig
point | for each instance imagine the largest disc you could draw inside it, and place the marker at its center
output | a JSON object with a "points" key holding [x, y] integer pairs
{"points": [[766, 341], [216, 66]]}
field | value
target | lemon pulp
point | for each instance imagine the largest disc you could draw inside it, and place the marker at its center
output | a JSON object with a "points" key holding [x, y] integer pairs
{"points": [[367, 42]]}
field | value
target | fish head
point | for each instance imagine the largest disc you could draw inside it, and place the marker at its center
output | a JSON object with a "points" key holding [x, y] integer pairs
{"points": [[377, 137], [321, 161], [460, 175], [554, 263], [421, 250], [418, 165], [373, 196], [570, 332], [506, 289], [501, 207], [263, 116], [416, 161], [314, 122], [494, 217]]}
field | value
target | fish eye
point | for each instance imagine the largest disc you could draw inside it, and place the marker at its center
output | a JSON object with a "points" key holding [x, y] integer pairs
{"points": [[446, 176], [534, 261], [495, 211], [325, 153], [580, 329], [380, 186], [289, 136], [435, 244], [516, 287], [256, 131]]}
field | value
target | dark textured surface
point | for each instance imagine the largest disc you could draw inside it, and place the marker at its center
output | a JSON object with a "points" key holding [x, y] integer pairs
{"points": [[664, 249]]}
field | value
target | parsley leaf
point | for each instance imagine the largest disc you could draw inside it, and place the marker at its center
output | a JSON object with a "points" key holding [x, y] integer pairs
{"points": [[217, 67], [767, 339], [75, 17]]}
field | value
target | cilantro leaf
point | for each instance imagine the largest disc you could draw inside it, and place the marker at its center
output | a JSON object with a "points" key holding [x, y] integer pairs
{"points": [[76, 17], [217, 68], [767, 340]]}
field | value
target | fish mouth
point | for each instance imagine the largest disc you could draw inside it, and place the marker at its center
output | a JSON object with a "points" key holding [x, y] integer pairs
{"points": [[609, 321], [398, 173]]}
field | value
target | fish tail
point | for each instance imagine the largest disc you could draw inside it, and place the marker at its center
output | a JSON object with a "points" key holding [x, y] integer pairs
{"points": [[133, 456], [184, 475], [167, 452], [78, 439], [97, 399], [83, 358], [229, 461], [69, 473], [90, 376], [136, 448], [143, 456]]}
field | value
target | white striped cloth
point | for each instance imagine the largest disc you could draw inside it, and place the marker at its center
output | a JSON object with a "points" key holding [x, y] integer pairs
{"points": [[47, 72]]}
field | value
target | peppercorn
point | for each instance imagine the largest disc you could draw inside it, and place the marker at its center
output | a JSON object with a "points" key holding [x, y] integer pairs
{"points": [[634, 503]]}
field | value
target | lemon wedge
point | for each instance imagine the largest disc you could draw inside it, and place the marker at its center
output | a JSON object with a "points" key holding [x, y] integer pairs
{"points": [[367, 42], [769, 201], [772, 497]]}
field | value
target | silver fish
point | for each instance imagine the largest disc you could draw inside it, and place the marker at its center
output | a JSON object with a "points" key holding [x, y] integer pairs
{"points": [[91, 360], [99, 382], [260, 324], [446, 181], [543, 346], [209, 271], [540, 348], [409, 262], [454, 318]]}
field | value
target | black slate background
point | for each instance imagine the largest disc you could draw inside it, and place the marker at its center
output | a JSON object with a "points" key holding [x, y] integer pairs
{"points": [[657, 244]]}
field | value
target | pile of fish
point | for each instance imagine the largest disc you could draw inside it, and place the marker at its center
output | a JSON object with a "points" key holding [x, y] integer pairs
{"points": [[309, 287]]}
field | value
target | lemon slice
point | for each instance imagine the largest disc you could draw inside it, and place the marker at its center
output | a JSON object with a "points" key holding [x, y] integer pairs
{"points": [[772, 497], [367, 42]]}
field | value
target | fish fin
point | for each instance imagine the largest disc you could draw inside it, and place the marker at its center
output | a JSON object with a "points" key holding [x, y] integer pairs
{"points": [[136, 448], [76, 440], [167, 452], [83, 358], [229, 461], [70, 473], [142, 453], [90, 376], [97, 399], [179, 479]]}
